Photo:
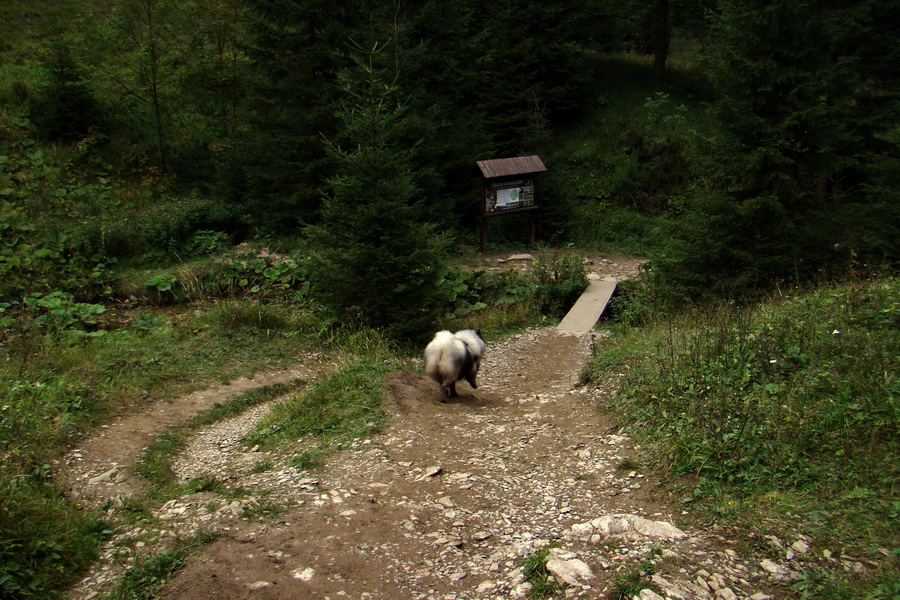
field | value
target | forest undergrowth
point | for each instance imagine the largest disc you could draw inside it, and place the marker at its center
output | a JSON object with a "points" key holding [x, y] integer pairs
{"points": [[779, 416]]}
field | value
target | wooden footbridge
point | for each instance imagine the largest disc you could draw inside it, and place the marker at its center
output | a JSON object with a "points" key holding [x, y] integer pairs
{"points": [[587, 310]]}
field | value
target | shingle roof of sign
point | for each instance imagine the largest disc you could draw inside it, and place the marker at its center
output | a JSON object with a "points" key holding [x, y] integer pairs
{"points": [[518, 165]]}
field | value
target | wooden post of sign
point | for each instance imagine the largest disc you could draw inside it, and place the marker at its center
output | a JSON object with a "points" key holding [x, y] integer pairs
{"points": [[483, 219], [533, 231], [483, 234]]}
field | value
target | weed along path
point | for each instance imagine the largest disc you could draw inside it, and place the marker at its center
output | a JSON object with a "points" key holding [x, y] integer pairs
{"points": [[453, 500]]}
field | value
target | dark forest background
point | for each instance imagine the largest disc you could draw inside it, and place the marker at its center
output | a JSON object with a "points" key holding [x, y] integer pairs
{"points": [[739, 144]]}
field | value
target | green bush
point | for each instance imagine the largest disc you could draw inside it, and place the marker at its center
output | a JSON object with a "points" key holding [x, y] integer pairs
{"points": [[173, 229], [491, 301], [44, 540], [29, 265], [620, 173], [248, 274], [560, 278], [796, 396], [472, 291], [510, 299], [635, 303], [58, 311]]}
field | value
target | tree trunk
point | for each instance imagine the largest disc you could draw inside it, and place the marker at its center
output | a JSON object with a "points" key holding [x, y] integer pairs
{"points": [[661, 38], [154, 83]]}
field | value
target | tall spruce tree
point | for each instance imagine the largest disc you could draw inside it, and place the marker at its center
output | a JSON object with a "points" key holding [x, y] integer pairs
{"points": [[66, 109], [376, 261], [528, 71], [808, 96], [434, 70], [295, 51]]}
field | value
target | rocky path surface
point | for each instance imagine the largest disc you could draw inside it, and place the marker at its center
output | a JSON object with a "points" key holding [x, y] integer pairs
{"points": [[444, 504], [449, 500]]}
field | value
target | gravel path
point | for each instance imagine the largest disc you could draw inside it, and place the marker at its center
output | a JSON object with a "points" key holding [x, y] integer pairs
{"points": [[447, 502]]}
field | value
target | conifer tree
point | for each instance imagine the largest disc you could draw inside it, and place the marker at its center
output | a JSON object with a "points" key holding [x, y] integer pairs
{"points": [[294, 52], [528, 71], [66, 109], [434, 64], [376, 261], [808, 96]]}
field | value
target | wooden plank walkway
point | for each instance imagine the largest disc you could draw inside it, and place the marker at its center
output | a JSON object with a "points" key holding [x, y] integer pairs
{"points": [[587, 310]]}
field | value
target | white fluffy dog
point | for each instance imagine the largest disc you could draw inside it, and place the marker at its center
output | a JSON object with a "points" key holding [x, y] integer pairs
{"points": [[451, 357]]}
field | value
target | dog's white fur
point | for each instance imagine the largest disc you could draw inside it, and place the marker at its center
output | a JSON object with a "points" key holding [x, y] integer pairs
{"points": [[450, 357]]}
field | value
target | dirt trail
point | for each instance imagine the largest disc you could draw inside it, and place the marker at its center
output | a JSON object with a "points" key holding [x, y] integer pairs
{"points": [[102, 467], [444, 504], [432, 506], [447, 501]]}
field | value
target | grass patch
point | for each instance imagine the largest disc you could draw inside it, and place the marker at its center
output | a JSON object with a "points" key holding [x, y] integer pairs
{"points": [[57, 384], [340, 407], [263, 466], [39, 528], [629, 582], [147, 577], [783, 409], [534, 569], [817, 584], [156, 463], [628, 464]]}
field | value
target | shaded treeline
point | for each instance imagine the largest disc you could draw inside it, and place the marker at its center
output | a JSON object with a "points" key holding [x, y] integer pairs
{"points": [[245, 104]]}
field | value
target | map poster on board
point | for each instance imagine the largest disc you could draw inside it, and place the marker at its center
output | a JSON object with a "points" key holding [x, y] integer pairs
{"points": [[508, 198], [508, 195]]}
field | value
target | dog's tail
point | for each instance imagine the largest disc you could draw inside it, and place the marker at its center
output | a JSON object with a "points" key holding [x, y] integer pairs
{"points": [[446, 358], [473, 341]]}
